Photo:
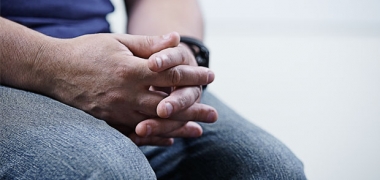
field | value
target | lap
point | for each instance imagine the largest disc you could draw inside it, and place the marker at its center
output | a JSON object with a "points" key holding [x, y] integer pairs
{"points": [[43, 138], [231, 148]]}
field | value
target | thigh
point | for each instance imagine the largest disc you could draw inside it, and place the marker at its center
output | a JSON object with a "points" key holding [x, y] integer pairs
{"points": [[41, 138], [231, 148]]}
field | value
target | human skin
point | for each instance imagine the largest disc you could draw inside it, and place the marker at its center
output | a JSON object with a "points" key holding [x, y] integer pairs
{"points": [[106, 75], [146, 17]]}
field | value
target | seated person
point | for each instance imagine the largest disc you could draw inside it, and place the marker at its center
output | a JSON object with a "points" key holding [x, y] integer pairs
{"points": [[79, 102]]}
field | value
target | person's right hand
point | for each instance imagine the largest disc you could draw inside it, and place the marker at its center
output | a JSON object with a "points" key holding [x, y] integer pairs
{"points": [[177, 111], [107, 76]]}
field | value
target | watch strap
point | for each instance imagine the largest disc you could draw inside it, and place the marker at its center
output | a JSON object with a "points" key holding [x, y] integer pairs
{"points": [[200, 51]]}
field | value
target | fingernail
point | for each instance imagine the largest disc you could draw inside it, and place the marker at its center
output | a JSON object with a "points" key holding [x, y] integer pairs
{"points": [[148, 130], [166, 36], [158, 62], [210, 77], [211, 116], [169, 109]]}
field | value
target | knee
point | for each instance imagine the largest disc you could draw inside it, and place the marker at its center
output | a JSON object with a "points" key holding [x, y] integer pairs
{"points": [[105, 161], [276, 162], [247, 161], [112, 163], [79, 159], [253, 154], [61, 142]]}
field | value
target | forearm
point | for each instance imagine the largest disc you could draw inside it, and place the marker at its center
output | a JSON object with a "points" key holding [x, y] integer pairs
{"points": [[151, 17], [20, 54]]}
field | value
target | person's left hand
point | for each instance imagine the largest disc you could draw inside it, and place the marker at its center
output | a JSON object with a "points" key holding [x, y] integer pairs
{"points": [[177, 111]]}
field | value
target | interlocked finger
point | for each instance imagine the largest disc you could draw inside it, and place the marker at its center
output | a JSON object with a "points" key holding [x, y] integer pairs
{"points": [[147, 102], [168, 128], [180, 99], [170, 57], [197, 112], [153, 141], [145, 46], [181, 75]]}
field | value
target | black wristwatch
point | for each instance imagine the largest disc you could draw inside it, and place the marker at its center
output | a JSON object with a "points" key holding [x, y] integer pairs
{"points": [[199, 50]]}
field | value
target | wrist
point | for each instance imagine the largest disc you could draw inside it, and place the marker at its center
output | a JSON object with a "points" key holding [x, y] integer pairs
{"points": [[47, 65], [21, 50]]}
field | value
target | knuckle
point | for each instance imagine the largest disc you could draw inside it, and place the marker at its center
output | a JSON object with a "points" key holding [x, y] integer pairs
{"points": [[182, 102], [143, 102], [122, 71], [100, 113], [201, 114], [175, 75], [125, 71], [169, 56], [198, 115], [173, 56], [149, 41], [184, 56], [198, 92]]}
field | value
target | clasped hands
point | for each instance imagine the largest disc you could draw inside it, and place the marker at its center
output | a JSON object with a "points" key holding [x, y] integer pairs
{"points": [[147, 87]]}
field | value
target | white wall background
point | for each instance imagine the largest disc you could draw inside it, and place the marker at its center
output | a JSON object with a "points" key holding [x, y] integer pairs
{"points": [[306, 71]]}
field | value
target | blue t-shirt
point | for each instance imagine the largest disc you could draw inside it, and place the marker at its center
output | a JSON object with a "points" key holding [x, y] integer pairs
{"points": [[59, 18]]}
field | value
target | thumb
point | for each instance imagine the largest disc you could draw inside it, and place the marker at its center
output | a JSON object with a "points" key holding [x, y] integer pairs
{"points": [[145, 46]]}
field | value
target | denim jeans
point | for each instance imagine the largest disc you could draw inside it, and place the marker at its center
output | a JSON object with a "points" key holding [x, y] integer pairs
{"points": [[41, 138]]}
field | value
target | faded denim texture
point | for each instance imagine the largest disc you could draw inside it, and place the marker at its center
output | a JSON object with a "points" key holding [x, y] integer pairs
{"points": [[41, 138]]}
